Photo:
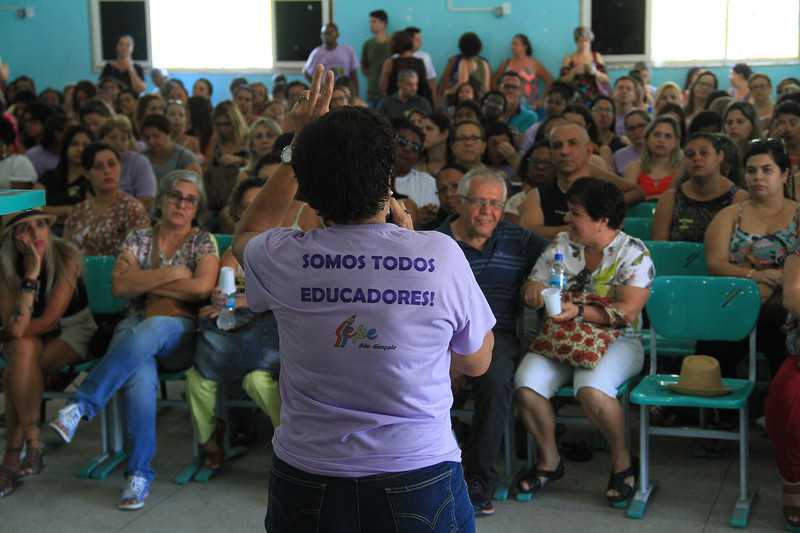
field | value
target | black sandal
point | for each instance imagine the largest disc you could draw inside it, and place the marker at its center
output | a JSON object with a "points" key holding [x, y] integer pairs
{"points": [[617, 483], [9, 480], [536, 479], [33, 463]]}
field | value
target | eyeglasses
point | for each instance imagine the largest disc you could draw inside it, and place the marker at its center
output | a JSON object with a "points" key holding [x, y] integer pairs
{"points": [[176, 102], [177, 198], [775, 143], [402, 142], [636, 127], [483, 202], [467, 138]]}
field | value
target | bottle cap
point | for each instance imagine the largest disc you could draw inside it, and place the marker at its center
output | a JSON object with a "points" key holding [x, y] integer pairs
{"points": [[559, 256], [227, 280]]}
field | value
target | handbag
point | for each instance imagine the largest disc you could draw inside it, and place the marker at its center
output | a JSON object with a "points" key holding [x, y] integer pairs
{"points": [[579, 343], [157, 305]]}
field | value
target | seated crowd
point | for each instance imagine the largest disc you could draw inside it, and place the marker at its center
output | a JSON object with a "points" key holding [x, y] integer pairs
{"points": [[519, 167]]}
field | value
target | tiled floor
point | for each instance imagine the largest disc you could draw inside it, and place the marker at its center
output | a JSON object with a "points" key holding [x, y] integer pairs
{"points": [[695, 495]]}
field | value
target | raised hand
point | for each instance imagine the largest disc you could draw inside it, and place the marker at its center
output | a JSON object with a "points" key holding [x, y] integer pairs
{"points": [[313, 103]]}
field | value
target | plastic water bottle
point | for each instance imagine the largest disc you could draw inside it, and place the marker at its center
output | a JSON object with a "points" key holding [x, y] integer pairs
{"points": [[226, 320], [558, 273]]}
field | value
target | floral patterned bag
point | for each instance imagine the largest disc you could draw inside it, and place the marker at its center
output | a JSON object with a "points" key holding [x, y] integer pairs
{"points": [[578, 343]]}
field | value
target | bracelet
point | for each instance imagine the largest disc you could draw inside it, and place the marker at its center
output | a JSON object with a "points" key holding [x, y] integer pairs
{"points": [[29, 285]]}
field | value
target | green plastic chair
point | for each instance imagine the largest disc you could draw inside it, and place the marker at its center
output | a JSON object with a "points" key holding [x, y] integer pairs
{"points": [[642, 210], [678, 258], [639, 227], [97, 275], [224, 240], [698, 308]]}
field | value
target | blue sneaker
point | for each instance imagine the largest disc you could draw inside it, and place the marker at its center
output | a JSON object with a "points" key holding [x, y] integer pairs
{"points": [[133, 495], [66, 423]]}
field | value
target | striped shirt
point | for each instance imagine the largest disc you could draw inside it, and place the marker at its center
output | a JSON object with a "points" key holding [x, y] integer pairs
{"points": [[501, 267]]}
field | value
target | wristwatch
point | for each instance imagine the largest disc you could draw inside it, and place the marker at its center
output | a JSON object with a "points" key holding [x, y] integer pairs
{"points": [[29, 285], [579, 318], [286, 154]]}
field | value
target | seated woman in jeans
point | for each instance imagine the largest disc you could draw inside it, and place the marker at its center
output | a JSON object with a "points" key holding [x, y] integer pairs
{"points": [[250, 350], [166, 270], [370, 315], [600, 260], [46, 325]]}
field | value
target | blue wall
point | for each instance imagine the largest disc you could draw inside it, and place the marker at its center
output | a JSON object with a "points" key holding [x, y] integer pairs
{"points": [[55, 46]]}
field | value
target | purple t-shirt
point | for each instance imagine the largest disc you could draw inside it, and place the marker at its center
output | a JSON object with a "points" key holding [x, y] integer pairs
{"points": [[341, 60], [137, 177], [367, 316], [624, 157], [42, 159]]}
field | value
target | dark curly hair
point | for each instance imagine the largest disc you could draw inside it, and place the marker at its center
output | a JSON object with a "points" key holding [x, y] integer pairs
{"points": [[600, 199], [469, 44], [343, 162]]}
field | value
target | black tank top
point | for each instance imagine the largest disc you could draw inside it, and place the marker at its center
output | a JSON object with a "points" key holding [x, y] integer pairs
{"points": [[690, 218], [554, 204]]}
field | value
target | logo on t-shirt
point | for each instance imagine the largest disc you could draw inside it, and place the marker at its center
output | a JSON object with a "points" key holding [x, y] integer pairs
{"points": [[348, 331]]}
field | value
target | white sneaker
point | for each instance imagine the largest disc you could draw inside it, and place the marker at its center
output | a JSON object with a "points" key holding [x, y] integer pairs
{"points": [[133, 495], [66, 423]]}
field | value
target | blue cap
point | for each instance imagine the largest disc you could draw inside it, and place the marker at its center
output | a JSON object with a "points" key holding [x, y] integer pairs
{"points": [[559, 256]]}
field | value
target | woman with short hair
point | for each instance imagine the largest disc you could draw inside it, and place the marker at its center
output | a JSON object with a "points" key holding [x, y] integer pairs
{"points": [[99, 224], [391, 432], [602, 261], [164, 154], [585, 69], [467, 65], [123, 68], [47, 324], [165, 271]]}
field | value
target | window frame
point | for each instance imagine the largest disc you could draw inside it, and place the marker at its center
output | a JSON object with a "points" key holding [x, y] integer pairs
{"points": [[620, 59], [98, 63]]}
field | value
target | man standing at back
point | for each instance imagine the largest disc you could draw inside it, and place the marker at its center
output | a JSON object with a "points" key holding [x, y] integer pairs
{"points": [[373, 53], [430, 70], [340, 58]]}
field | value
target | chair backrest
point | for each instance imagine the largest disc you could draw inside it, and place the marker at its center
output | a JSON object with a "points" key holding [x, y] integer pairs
{"points": [[703, 307], [641, 210], [678, 258], [224, 240], [97, 276], [639, 227]]}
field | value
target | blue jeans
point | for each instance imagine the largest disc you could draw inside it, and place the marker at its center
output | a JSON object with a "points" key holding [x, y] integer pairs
{"points": [[131, 364], [431, 500]]}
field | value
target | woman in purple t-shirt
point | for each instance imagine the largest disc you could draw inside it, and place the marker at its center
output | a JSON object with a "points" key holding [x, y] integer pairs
{"points": [[371, 317]]}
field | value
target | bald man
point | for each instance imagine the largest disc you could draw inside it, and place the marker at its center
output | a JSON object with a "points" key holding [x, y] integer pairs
{"points": [[545, 207], [340, 58]]}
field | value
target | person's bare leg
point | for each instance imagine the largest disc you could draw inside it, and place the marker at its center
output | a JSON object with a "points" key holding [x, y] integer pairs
{"points": [[606, 414], [539, 418], [14, 438]]}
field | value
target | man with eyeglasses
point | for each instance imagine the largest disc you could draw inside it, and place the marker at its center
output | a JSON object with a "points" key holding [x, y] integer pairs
{"points": [[395, 106], [636, 122], [468, 144], [419, 186], [518, 118], [501, 255]]}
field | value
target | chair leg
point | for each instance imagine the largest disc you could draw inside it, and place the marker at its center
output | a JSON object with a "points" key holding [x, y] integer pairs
{"points": [[116, 454], [741, 512], [638, 505]]}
